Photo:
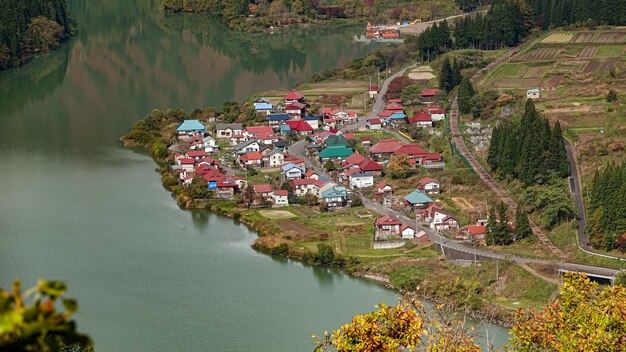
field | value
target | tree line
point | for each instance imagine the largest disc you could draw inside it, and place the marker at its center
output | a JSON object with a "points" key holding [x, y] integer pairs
{"points": [[607, 208], [505, 24], [530, 151], [31, 26], [558, 13]]}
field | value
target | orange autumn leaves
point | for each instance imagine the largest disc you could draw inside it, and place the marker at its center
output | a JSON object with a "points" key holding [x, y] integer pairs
{"points": [[585, 317]]}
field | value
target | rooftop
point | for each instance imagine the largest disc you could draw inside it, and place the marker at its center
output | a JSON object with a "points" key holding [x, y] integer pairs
{"points": [[190, 125]]}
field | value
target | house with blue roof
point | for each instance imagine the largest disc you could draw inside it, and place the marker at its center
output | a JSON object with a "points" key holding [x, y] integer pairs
{"points": [[417, 200], [292, 171], [314, 121], [263, 108], [335, 197], [533, 93], [397, 118], [276, 120], [189, 128]]}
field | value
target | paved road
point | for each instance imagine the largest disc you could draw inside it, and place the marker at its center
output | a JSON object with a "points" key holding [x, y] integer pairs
{"points": [[577, 195], [299, 149]]}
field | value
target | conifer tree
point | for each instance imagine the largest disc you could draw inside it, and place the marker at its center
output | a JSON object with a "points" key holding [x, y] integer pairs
{"points": [[456, 73], [445, 76], [522, 225], [466, 93]]}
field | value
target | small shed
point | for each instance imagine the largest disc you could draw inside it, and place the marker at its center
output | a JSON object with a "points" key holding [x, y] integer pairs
{"points": [[533, 93]]}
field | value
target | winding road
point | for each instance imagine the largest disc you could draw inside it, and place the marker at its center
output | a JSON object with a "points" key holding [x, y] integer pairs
{"points": [[299, 149]]}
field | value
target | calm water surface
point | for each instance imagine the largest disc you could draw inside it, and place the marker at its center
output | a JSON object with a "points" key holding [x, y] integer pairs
{"points": [[74, 206]]}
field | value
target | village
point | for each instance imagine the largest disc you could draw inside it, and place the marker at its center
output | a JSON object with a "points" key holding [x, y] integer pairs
{"points": [[332, 160]]}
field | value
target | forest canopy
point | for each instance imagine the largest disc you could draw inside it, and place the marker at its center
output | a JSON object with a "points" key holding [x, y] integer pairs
{"points": [[28, 27]]}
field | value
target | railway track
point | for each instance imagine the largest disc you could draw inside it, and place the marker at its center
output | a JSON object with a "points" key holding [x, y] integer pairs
{"points": [[486, 177]]}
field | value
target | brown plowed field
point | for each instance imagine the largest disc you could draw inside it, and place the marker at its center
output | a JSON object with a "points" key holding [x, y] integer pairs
{"points": [[536, 72], [589, 37], [294, 226], [553, 83], [518, 83], [542, 54], [589, 52]]}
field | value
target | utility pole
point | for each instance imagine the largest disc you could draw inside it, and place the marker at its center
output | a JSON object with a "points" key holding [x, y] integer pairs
{"points": [[497, 270]]}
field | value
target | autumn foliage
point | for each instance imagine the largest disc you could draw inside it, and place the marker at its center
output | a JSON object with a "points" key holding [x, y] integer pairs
{"points": [[585, 317]]}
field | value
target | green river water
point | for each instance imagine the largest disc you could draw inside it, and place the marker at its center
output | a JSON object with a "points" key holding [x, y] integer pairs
{"points": [[77, 207]]}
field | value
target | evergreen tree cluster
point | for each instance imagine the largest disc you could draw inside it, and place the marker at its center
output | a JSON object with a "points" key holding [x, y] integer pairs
{"points": [[532, 151], [498, 230], [450, 75], [607, 206], [505, 24], [466, 93], [557, 13], [28, 26], [467, 5]]}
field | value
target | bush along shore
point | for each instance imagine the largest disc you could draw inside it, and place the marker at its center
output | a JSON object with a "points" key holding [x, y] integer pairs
{"points": [[307, 232]]}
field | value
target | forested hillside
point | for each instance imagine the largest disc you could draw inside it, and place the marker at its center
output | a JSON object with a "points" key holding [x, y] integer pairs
{"points": [[607, 208], [532, 151], [31, 26], [557, 13]]}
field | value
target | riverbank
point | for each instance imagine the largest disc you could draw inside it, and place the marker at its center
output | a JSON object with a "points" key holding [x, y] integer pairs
{"points": [[484, 292]]}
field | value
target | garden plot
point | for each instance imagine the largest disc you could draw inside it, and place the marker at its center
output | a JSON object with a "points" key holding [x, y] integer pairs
{"points": [[589, 52], [277, 214], [606, 38], [565, 67], [552, 83], [536, 72], [542, 54], [558, 38], [518, 83]]}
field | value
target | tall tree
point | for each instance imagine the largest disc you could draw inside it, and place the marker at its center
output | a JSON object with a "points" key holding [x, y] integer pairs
{"points": [[445, 76], [466, 93], [522, 225]]}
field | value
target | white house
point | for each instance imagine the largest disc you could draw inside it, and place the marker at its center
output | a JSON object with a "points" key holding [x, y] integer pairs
{"points": [[292, 171], [307, 185], [276, 158], [227, 130], [373, 92], [374, 124], [280, 198], [533, 94], [187, 164], [252, 145], [429, 185], [407, 232], [209, 145], [437, 114], [362, 180]]}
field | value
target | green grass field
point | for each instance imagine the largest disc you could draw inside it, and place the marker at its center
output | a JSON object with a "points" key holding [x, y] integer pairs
{"points": [[610, 51]]}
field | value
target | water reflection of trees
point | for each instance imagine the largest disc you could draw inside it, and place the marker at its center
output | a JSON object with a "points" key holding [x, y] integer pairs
{"points": [[258, 52], [34, 81]]}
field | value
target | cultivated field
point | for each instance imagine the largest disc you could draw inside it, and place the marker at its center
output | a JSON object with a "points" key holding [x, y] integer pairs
{"points": [[277, 214], [558, 38]]}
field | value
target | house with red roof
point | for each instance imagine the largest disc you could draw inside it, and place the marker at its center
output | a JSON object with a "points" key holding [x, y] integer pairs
{"points": [[428, 95], [293, 97], [237, 139], [429, 185], [437, 114], [225, 188], [300, 126], [296, 110], [384, 149], [395, 107], [385, 114], [422, 119], [366, 141], [251, 159], [476, 232], [310, 173], [258, 132], [374, 124], [307, 185], [384, 188], [407, 232], [433, 161], [386, 226], [264, 191], [373, 91], [280, 198]]}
